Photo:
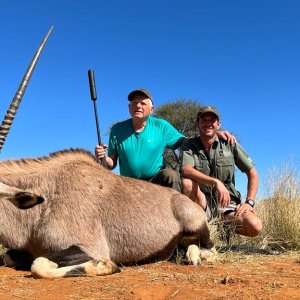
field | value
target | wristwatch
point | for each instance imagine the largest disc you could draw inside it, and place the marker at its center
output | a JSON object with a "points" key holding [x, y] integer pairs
{"points": [[250, 202]]}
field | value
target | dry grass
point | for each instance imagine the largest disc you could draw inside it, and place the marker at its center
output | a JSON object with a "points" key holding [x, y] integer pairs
{"points": [[2, 250], [279, 211], [280, 217]]}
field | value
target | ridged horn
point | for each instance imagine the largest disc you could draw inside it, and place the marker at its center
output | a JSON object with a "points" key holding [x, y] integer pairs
{"points": [[11, 112]]}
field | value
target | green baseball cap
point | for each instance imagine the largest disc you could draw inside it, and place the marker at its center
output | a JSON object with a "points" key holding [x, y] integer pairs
{"points": [[143, 92], [207, 109]]}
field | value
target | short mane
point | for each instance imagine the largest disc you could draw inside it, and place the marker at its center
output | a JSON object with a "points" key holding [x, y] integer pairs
{"points": [[24, 165]]}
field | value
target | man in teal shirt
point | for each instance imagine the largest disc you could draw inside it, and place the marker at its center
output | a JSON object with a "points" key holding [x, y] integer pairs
{"points": [[138, 150], [139, 143]]}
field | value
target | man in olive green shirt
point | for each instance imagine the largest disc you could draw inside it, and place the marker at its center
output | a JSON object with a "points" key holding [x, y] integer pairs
{"points": [[208, 164]]}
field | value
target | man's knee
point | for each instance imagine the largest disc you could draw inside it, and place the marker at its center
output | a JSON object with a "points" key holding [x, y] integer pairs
{"points": [[170, 175], [249, 225], [187, 186], [192, 190], [255, 226], [168, 178]]}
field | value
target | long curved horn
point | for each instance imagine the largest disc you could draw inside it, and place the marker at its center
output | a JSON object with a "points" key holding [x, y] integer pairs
{"points": [[11, 112]]}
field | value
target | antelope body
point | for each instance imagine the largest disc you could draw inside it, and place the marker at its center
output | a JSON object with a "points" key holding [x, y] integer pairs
{"points": [[91, 218]]}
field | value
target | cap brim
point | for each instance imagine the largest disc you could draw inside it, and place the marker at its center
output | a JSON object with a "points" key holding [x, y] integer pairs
{"points": [[138, 92]]}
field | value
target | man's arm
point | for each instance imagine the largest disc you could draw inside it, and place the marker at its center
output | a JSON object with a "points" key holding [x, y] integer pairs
{"points": [[226, 135], [111, 161], [251, 191], [189, 172], [252, 184]]}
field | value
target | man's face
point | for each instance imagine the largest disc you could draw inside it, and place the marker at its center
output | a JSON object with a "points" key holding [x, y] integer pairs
{"points": [[208, 124], [140, 107]]}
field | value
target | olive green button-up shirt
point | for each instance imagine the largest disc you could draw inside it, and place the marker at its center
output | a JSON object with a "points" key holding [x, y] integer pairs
{"points": [[219, 162]]}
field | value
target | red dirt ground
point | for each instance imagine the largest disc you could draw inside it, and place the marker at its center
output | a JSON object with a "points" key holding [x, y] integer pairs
{"points": [[244, 277]]}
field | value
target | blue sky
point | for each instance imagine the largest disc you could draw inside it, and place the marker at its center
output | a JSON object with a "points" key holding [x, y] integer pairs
{"points": [[241, 56]]}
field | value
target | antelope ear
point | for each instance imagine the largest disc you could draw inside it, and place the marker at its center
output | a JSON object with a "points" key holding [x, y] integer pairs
{"points": [[10, 115], [25, 200]]}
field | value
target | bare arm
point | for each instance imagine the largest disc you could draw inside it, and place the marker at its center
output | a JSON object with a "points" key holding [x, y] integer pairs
{"points": [[189, 172], [252, 184], [251, 192], [226, 135]]}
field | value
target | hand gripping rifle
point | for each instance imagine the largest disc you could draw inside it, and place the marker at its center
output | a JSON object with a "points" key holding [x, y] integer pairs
{"points": [[94, 98]]}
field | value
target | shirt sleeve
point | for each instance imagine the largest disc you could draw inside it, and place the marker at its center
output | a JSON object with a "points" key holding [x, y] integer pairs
{"points": [[242, 160], [172, 136], [112, 144], [187, 157]]}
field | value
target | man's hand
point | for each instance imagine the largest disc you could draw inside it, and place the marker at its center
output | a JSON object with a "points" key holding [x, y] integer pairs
{"points": [[100, 151], [227, 136], [224, 196], [243, 208]]}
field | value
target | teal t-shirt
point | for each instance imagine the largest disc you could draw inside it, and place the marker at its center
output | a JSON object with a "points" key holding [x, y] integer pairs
{"points": [[141, 153]]}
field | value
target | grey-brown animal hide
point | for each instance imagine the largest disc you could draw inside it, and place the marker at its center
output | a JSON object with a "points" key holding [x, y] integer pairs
{"points": [[106, 215]]}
